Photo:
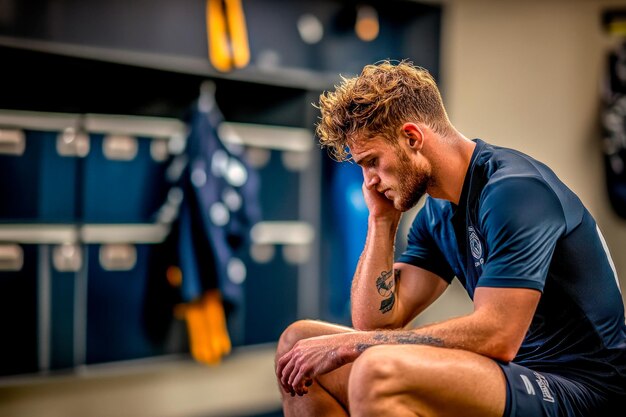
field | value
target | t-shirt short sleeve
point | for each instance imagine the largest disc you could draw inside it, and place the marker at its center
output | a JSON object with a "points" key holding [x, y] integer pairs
{"points": [[422, 250], [521, 219]]}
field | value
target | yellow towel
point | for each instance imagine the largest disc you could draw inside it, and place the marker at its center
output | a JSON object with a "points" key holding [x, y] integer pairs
{"points": [[206, 325]]}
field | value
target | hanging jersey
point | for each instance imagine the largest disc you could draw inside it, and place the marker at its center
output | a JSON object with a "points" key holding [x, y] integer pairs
{"points": [[221, 204], [518, 226]]}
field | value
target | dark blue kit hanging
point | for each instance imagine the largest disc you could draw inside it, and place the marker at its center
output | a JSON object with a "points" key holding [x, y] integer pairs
{"points": [[209, 239]]}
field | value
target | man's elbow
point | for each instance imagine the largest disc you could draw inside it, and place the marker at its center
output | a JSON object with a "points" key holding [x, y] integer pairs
{"points": [[362, 324], [504, 357], [502, 350]]}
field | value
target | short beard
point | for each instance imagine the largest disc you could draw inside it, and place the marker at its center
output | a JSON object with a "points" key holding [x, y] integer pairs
{"points": [[412, 184]]}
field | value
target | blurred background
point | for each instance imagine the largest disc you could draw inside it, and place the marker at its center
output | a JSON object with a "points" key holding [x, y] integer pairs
{"points": [[165, 210]]}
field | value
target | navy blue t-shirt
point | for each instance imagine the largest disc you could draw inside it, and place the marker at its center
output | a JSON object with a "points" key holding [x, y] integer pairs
{"points": [[518, 226]]}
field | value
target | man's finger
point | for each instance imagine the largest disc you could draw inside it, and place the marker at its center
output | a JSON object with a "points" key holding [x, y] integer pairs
{"points": [[302, 387], [297, 380], [286, 375], [281, 363]]}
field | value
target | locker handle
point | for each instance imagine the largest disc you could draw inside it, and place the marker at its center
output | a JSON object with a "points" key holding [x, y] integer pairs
{"points": [[282, 232], [120, 147], [12, 142], [118, 257], [67, 257], [11, 257], [72, 142], [159, 150]]}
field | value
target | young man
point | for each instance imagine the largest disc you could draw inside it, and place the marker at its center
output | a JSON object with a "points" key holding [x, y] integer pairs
{"points": [[546, 336]]}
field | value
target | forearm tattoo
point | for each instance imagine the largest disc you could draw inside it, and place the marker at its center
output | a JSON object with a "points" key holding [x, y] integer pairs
{"points": [[386, 285], [400, 338]]}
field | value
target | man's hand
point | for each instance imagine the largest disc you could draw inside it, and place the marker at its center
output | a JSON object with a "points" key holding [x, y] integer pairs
{"points": [[309, 358], [378, 205]]}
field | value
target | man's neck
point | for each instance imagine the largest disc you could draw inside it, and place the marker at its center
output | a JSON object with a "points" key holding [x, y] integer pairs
{"points": [[449, 167]]}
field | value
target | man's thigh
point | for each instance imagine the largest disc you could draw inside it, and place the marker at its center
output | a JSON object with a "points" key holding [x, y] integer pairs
{"points": [[432, 380]]}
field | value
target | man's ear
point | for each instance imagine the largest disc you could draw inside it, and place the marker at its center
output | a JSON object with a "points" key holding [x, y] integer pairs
{"points": [[414, 135]]}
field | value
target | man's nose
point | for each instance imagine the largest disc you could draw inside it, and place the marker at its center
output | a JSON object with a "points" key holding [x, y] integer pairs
{"points": [[370, 177]]}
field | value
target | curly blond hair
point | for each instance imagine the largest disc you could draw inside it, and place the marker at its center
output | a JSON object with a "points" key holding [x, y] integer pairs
{"points": [[377, 102]]}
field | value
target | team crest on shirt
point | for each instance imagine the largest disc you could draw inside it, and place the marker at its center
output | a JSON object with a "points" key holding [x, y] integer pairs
{"points": [[475, 247]]}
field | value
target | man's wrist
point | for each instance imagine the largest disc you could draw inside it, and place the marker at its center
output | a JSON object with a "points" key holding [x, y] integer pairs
{"points": [[357, 344], [390, 222]]}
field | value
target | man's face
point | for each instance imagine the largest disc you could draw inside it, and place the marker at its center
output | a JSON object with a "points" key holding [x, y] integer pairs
{"points": [[412, 182], [391, 171]]}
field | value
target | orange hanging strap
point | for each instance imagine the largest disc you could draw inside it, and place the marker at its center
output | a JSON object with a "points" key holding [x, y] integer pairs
{"points": [[214, 311], [238, 33], [217, 36], [206, 326]]}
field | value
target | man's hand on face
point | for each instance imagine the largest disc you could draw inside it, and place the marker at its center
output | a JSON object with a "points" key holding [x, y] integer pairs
{"points": [[378, 205]]}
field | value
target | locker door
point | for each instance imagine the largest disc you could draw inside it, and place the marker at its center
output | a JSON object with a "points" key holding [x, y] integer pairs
{"points": [[18, 308], [36, 182], [123, 183], [117, 279]]}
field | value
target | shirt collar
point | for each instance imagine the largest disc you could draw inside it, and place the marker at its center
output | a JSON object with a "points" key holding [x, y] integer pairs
{"points": [[468, 176]]}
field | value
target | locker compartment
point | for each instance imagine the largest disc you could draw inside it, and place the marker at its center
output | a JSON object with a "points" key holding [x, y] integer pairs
{"points": [[271, 300], [38, 166], [18, 308], [118, 274], [121, 190], [279, 188], [62, 320], [39, 267], [125, 172], [115, 299], [282, 243], [274, 288], [65, 262], [279, 154]]}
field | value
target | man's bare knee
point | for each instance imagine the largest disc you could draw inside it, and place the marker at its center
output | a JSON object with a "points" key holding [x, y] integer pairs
{"points": [[301, 329], [291, 335], [328, 394], [373, 378], [304, 329]]}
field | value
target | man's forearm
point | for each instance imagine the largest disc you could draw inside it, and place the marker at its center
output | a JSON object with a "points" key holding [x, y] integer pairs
{"points": [[465, 332], [352, 345], [373, 295]]}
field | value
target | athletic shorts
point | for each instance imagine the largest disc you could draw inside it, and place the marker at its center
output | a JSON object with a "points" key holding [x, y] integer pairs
{"points": [[535, 394]]}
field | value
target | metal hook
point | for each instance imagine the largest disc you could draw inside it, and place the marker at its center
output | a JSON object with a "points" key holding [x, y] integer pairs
{"points": [[206, 102]]}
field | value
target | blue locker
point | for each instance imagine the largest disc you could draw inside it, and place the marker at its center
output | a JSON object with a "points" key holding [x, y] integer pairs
{"points": [[122, 191], [116, 307], [271, 299], [62, 306], [282, 242], [280, 190], [38, 301], [39, 185], [114, 310], [18, 314], [271, 287]]}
